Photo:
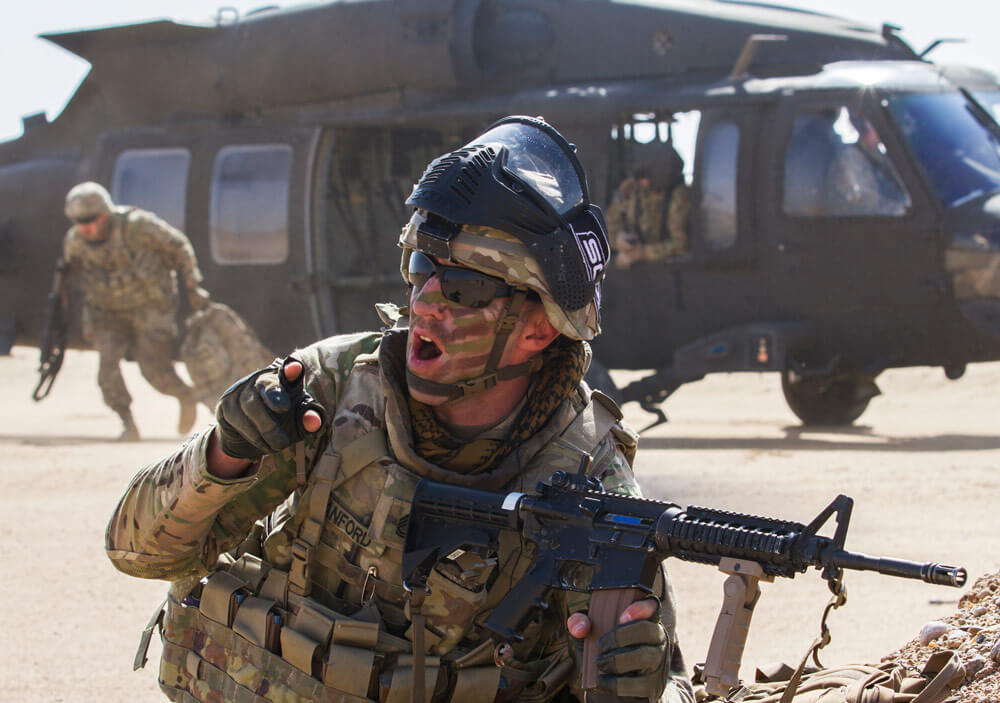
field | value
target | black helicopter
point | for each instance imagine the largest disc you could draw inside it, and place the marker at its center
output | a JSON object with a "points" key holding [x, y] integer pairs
{"points": [[284, 144]]}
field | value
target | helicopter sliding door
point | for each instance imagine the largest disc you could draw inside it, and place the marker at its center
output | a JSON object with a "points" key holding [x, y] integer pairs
{"points": [[363, 176], [849, 232]]}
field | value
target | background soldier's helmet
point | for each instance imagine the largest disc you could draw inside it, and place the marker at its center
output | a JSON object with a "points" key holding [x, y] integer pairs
{"points": [[514, 203], [87, 200]]}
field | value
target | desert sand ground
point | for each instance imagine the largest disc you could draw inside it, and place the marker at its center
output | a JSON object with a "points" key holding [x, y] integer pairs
{"points": [[922, 466]]}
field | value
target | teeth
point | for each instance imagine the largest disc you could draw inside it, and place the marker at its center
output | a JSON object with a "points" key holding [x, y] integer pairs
{"points": [[426, 339]]}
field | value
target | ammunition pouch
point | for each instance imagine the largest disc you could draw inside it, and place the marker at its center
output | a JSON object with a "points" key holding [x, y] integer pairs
{"points": [[242, 635]]}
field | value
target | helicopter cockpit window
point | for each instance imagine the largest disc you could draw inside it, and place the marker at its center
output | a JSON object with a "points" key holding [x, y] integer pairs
{"points": [[837, 165], [650, 204], [249, 210], [155, 180], [956, 143], [718, 184]]}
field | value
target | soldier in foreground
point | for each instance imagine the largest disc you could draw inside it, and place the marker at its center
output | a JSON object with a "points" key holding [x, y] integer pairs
{"points": [[282, 526], [124, 260]]}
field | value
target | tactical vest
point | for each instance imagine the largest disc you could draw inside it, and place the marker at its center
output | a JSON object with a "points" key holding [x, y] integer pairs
{"points": [[316, 610], [116, 278]]}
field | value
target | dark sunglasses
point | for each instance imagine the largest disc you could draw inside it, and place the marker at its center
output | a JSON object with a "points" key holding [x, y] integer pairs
{"points": [[86, 220], [461, 286]]}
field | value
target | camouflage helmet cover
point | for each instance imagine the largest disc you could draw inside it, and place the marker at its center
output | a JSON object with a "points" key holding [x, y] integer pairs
{"points": [[497, 253], [87, 200]]}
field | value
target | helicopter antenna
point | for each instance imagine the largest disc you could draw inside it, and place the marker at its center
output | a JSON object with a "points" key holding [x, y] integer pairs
{"points": [[938, 42], [746, 57], [227, 14]]}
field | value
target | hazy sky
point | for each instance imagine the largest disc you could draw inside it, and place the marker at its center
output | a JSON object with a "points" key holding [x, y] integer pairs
{"points": [[36, 75]]}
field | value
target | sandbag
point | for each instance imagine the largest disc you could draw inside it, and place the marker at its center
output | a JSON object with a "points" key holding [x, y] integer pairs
{"points": [[888, 683]]}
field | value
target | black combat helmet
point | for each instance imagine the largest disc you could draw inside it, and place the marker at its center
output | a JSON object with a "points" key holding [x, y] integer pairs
{"points": [[522, 177]]}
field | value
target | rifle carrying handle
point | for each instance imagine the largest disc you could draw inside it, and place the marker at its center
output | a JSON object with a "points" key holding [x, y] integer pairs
{"points": [[605, 607]]}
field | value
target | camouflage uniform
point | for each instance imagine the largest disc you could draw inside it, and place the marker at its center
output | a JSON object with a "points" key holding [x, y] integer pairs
{"points": [[357, 558], [219, 348], [642, 227], [130, 298]]}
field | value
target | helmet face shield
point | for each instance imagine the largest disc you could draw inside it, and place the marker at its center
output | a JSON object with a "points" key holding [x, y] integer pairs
{"points": [[521, 177], [542, 160]]}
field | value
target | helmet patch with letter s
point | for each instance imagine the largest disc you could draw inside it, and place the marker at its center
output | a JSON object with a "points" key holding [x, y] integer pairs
{"points": [[591, 250]]}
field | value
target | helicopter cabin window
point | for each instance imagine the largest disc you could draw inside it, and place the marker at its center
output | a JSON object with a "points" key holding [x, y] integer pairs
{"points": [[154, 180], [650, 202], [719, 160], [249, 207], [836, 165]]}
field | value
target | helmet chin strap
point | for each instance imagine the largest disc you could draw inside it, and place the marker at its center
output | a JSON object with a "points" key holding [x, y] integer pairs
{"points": [[491, 375]]}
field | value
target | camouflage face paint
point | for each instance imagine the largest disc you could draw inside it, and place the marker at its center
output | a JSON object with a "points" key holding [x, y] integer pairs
{"points": [[448, 342]]}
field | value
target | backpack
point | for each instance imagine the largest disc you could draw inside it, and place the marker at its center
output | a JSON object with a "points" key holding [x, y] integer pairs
{"points": [[220, 347]]}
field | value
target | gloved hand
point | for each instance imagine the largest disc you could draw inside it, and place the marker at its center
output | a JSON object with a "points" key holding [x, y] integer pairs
{"points": [[634, 660], [198, 297], [263, 413]]}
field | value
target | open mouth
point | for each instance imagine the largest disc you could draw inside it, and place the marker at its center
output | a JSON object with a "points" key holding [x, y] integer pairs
{"points": [[425, 348]]}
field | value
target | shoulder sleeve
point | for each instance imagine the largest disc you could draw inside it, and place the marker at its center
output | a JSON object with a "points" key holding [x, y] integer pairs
{"points": [[175, 518], [144, 229], [614, 455]]}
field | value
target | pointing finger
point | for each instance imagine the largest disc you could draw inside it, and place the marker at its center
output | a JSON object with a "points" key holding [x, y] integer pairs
{"points": [[292, 370]]}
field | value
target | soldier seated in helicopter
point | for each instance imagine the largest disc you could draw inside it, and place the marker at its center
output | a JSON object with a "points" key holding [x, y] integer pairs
{"points": [[648, 218], [861, 180]]}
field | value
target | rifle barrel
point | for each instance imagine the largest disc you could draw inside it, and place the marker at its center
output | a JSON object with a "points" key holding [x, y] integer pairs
{"points": [[925, 571]]}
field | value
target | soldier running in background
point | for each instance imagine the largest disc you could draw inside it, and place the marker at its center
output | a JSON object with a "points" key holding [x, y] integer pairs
{"points": [[125, 262]]}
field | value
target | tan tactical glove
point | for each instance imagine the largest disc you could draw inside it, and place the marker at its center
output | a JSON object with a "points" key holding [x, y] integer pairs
{"points": [[634, 662], [262, 413]]}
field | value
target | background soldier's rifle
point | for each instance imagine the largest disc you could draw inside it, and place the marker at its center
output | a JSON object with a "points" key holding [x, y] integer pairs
{"points": [[611, 545], [53, 346]]}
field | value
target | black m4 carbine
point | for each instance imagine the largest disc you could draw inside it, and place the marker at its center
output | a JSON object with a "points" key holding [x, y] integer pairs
{"points": [[588, 540]]}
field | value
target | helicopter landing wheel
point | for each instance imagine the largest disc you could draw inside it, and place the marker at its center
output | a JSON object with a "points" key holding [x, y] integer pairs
{"points": [[829, 400]]}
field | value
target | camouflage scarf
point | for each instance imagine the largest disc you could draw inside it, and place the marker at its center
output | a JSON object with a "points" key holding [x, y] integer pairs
{"points": [[564, 366]]}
